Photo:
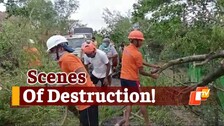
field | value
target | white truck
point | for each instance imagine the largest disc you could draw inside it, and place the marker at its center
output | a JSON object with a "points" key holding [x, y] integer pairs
{"points": [[88, 32], [76, 40]]}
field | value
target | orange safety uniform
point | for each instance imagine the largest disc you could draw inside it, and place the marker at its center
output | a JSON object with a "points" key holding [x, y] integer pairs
{"points": [[70, 63], [131, 62]]}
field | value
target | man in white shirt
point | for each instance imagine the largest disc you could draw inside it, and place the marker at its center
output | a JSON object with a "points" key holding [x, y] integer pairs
{"points": [[101, 65]]}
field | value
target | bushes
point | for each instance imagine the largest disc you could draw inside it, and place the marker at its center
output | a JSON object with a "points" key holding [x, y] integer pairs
{"points": [[13, 68]]}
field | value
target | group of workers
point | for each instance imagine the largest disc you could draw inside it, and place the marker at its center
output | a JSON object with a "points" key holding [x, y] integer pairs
{"points": [[101, 59]]}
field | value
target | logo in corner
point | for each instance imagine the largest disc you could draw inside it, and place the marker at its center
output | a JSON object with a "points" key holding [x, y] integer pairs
{"points": [[201, 94]]}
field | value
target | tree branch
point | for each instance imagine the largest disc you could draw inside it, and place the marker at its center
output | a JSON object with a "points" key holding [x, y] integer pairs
{"points": [[205, 57], [213, 76], [65, 116], [208, 79], [220, 89]]}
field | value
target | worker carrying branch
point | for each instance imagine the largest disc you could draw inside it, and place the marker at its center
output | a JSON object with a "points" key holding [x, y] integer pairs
{"points": [[132, 65]]}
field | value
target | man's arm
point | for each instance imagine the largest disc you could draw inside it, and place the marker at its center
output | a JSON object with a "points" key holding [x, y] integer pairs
{"points": [[144, 73], [106, 61], [86, 62], [140, 63], [87, 68], [81, 56], [150, 65], [114, 52], [108, 69], [106, 81], [114, 56]]}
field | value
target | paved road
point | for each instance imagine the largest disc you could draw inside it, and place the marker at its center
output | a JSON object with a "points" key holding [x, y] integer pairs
{"points": [[115, 82]]}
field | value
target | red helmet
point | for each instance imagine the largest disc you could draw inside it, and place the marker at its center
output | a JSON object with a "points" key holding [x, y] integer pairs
{"points": [[88, 48], [136, 34]]}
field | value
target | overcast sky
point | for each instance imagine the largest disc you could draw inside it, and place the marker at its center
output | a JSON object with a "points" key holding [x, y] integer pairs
{"points": [[90, 11], [2, 8]]}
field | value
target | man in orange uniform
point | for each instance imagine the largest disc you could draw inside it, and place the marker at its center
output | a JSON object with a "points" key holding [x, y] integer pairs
{"points": [[132, 65], [34, 55], [70, 63]]}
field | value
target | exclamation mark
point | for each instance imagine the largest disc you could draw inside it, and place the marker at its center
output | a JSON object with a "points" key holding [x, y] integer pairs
{"points": [[153, 96]]}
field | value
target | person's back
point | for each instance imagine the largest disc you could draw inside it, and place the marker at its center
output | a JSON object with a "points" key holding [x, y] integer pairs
{"points": [[132, 66], [69, 63], [131, 61]]}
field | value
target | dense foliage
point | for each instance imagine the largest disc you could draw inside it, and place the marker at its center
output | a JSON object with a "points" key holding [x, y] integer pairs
{"points": [[172, 29]]}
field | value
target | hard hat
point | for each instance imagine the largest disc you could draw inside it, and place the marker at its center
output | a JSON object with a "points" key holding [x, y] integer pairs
{"points": [[136, 34], [88, 47], [55, 40]]}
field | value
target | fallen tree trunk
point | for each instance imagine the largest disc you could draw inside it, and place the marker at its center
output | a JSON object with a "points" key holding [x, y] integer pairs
{"points": [[205, 58], [208, 79], [213, 76]]}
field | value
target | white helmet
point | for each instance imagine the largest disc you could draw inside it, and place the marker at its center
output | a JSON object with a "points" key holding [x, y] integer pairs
{"points": [[54, 41]]}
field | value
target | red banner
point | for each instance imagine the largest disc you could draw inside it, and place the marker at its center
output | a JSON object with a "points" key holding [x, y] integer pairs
{"points": [[30, 96]]}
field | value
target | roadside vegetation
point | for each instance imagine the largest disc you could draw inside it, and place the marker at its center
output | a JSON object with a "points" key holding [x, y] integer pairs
{"points": [[172, 30]]}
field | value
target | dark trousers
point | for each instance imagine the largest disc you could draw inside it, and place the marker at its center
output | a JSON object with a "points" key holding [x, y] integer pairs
{"points": [[89, 116], [95, 80]]}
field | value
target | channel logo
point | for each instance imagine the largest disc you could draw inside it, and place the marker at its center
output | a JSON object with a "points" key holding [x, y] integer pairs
{"points": [[201, 94]]}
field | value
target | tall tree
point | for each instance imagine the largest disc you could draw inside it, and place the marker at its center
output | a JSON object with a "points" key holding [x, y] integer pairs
{"points": [[118, 26]]}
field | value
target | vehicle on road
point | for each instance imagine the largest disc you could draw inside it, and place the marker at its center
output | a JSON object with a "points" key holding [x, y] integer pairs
{"points": [[78, 37], [75, 41], [88, 32]]}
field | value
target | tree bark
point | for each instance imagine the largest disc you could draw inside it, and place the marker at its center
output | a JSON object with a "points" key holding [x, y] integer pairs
{"points": [[205, 58], [213, 76]]}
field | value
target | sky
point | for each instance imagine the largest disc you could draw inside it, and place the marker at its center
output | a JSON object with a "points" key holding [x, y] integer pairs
{"points": [[90, 12], [2, 8]]}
